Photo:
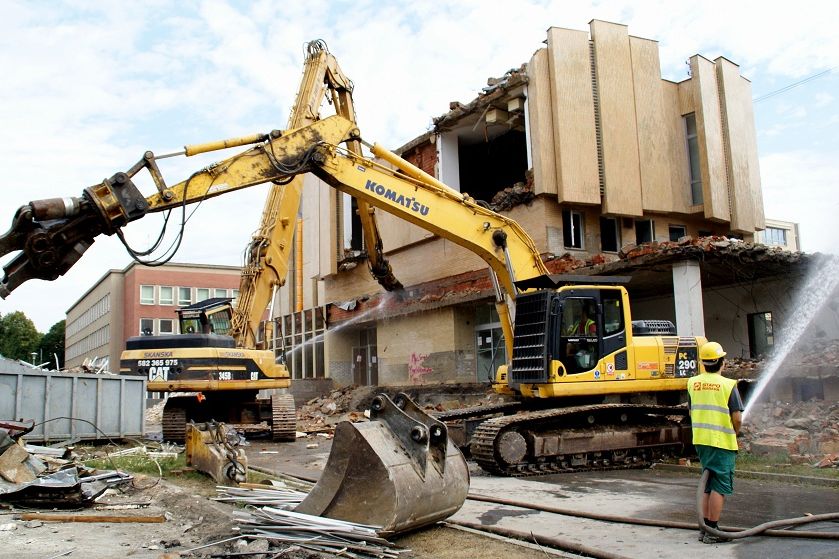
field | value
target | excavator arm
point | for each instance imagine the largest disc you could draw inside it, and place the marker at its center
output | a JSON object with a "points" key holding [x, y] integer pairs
{"points": [[267, 256], [51, 235]]}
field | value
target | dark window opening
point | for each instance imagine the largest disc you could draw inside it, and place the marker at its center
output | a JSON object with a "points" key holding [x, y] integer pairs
{"points": [[356, 238], [761, 334], [490, 166], [609, 234], [677, 232], [644, 231], [572, 229]]}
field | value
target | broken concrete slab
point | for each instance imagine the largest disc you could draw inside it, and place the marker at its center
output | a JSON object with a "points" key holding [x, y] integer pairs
{"points": [[13, 466]]}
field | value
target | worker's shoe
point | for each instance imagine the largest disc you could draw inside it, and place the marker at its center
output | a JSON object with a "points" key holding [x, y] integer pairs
{"points": [[708, 538]]}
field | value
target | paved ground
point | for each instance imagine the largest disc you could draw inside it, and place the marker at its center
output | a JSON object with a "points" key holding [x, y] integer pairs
{"points": [[650, 494]]}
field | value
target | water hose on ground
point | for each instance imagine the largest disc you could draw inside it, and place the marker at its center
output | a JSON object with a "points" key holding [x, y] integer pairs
{"points": [[642, 521], [760, 528]]}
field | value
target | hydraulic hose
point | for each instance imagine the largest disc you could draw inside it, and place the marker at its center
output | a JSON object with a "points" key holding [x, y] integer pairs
{"points": [[700, 492]]}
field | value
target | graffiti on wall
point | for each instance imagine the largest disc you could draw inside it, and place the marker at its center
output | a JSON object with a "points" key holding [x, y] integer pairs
{"points": [[416, 368]]}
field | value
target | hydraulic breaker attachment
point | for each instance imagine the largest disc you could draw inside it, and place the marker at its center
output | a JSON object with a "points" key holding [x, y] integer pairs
{"points": [[213, 448], [397, 472]]}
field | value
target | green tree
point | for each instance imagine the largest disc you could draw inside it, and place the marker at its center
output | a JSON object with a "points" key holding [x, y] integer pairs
{"points": [[52, 343], [18, 336]]}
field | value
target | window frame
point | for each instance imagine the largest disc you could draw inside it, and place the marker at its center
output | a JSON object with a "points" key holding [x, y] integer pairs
{"points": [[151, 322], [167, 302], [775, 236], [694, 160], [617, 238], [223, 290], [672, 226], [568, 222], [198, 291], [652, 230], [147, 301], [184, 302], [161, 321]]}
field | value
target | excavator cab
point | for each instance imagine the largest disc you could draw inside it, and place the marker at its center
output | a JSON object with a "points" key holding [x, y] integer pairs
{"points": [[210, 316]]}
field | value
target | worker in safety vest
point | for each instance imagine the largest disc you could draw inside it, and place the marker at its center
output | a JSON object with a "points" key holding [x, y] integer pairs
{"points": [[715, 416], [583, 327]]}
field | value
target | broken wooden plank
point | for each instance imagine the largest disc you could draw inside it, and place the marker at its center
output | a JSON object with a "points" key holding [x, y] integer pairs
{"points": [[90, 518]]}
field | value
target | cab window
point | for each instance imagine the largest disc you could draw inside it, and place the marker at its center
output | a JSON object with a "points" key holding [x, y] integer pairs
{"points": [[579, 334], [612, 312]]}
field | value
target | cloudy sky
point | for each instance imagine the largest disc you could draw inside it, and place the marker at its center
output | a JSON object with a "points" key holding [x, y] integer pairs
{"points": [[89, 86]]}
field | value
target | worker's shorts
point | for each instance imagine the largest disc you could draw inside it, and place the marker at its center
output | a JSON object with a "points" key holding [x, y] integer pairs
{"points": [[720, 464]]}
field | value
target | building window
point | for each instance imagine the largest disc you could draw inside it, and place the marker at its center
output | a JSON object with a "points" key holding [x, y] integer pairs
{"points": [[775, 236], [166, 326], [167, 295], [572, 229], [693, 159], [202, 294], [302, 335], [761, 333], [677, 232], [184, 296], [235, 295], [609, 234], [147, 295], [220, 292], [644, 231], [146, 326]]}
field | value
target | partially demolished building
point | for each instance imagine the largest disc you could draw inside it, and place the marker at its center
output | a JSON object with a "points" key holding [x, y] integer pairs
{"points": [[598, 158]]}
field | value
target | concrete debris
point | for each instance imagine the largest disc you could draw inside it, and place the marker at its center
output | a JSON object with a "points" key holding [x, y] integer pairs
{"points": [[519, 193], [323, 413], [154, 414], [798, 432]]}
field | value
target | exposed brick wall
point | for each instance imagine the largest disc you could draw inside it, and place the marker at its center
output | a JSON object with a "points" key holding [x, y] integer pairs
{"points": [[423, 156]]}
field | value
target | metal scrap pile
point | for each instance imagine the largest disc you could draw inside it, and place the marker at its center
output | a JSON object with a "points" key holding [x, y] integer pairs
{"points": [[39, 476], [269, 517]]}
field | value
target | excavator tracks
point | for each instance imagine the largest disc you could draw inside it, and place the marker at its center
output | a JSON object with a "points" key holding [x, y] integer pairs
{"points": [[582, 438], [173, 424], [283, 418]]}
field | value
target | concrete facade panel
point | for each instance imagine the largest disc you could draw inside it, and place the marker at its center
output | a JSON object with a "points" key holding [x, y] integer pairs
{"points": [[573, 117], [655, 137], [619, 131], [540, 123], [711, 145]]}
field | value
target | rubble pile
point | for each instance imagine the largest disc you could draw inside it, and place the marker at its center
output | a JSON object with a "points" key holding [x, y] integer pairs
{"points": [[154, 414], [321, 414], [797, 432], [519, 193]]}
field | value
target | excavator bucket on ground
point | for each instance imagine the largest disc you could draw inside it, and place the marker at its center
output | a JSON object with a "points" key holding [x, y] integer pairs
{"points": [[397, 472], [213, 448]]}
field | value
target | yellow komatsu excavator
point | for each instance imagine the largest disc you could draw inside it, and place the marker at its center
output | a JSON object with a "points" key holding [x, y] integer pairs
{"points": [[595, 389]]}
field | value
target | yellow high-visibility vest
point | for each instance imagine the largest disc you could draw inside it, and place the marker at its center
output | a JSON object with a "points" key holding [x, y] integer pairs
{"points": [[573, 330], [709, 415]]}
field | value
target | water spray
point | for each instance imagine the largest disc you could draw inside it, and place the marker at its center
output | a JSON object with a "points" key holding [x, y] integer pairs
{"points": [[822, 282]]}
